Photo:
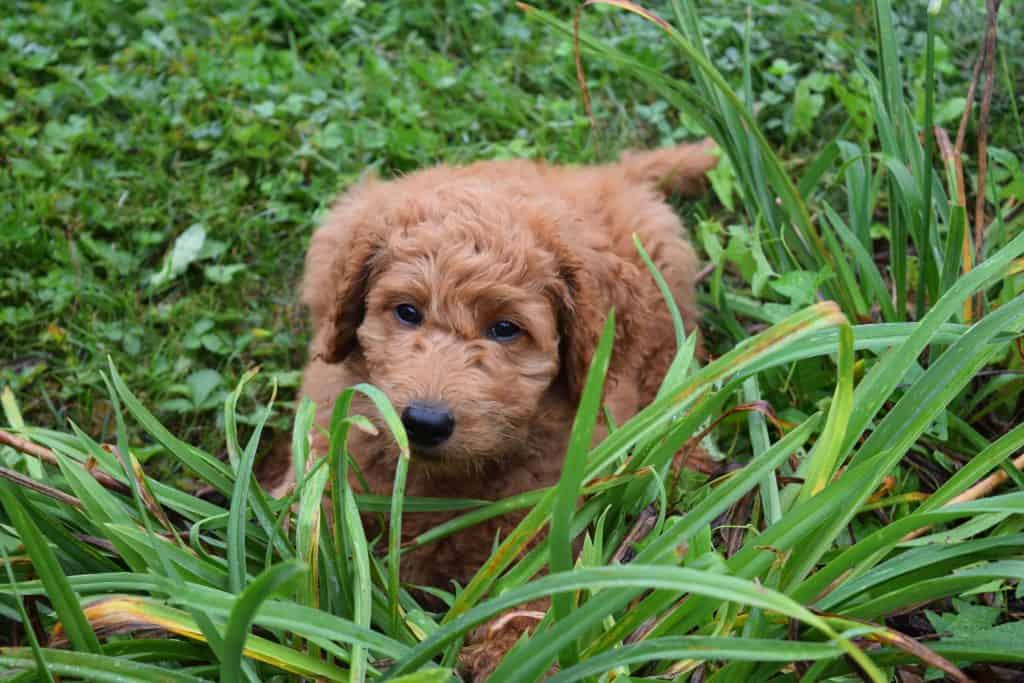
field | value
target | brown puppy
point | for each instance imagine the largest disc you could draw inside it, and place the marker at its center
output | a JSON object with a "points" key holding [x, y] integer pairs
{"points": [[473, 297]]}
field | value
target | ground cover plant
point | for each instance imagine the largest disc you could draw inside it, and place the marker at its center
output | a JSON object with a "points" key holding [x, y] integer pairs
{"points": [[163, 164]]}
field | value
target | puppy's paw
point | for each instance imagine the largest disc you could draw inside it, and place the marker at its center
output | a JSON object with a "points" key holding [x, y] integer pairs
{"points": [[489, 643]]}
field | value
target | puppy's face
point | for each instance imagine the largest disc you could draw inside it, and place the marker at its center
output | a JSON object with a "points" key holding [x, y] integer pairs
{"points": [[461, 329]]}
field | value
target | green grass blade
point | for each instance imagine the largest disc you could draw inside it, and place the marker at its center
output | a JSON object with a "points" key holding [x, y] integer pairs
{"points": [[878, 338], [928, 267], [827, 452], [362, 587], [878, 385], [394, 425], [268, 583], [848, 290], [967, 649], [92, 667], [868, 549], [513, 503], [16, 422], [913, 565], [681, 530], [307, 534], [866, 266], [678, 579], [923, 592], [305, 413], [861, 191], [698, 648], [953, 252], [428, 676], [101, 506], [666, 293], [760, 442], [30, 632], [166, 557], [63, 598], [822, 163], [933, 391], [212, 471], [239, 511], [998, 451], [560, 543], [231, 421], [135, 613]]}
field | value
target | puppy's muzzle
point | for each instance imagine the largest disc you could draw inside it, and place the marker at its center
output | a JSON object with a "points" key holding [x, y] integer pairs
{"points": [[428, 424]]}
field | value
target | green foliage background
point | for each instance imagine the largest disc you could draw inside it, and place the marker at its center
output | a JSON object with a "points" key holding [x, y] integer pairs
{"points": [[126, 126]]}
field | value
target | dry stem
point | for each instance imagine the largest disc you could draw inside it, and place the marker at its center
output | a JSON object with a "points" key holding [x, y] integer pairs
{"points": [[979, 490], [49, 457]]}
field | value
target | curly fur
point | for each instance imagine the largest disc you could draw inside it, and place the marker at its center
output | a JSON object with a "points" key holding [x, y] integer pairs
{"points": [[547, 247]]}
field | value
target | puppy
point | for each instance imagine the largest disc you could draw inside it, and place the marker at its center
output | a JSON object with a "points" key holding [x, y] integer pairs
{"points": [[473, 297]]}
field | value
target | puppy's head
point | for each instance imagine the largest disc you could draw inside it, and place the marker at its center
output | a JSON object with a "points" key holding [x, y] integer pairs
{"points": [[465, 307]]}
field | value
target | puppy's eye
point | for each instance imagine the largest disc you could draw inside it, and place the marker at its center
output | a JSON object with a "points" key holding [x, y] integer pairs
{"points": [[408, 314], [504, 330]]}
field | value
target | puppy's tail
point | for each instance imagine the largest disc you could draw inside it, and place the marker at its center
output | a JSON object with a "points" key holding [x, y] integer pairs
{"points": [[674, 170]]}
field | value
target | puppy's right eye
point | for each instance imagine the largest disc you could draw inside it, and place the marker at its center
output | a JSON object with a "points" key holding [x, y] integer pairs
{"points": [[408, 314]]}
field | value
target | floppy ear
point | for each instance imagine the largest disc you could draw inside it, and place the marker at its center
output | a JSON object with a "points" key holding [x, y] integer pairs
{"points": [[339, 265], [580, 320]]}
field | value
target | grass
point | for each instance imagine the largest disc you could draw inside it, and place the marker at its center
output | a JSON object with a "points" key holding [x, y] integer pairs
{"points": [[167, 163]]}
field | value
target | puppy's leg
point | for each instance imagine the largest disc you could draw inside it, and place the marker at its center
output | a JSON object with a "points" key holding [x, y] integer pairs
{"points": [[490, 642]]}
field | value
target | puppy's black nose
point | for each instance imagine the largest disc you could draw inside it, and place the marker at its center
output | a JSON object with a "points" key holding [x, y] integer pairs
{"points": [[428, 424]]}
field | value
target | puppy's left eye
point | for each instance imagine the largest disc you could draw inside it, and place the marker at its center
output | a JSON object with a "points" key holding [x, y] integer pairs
{"points": [[504, 330], [408, 314]]}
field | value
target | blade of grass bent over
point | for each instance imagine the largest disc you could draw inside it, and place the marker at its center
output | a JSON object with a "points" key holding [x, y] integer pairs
{"points": [[282, 615], [135, 613], [231, 422]]}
